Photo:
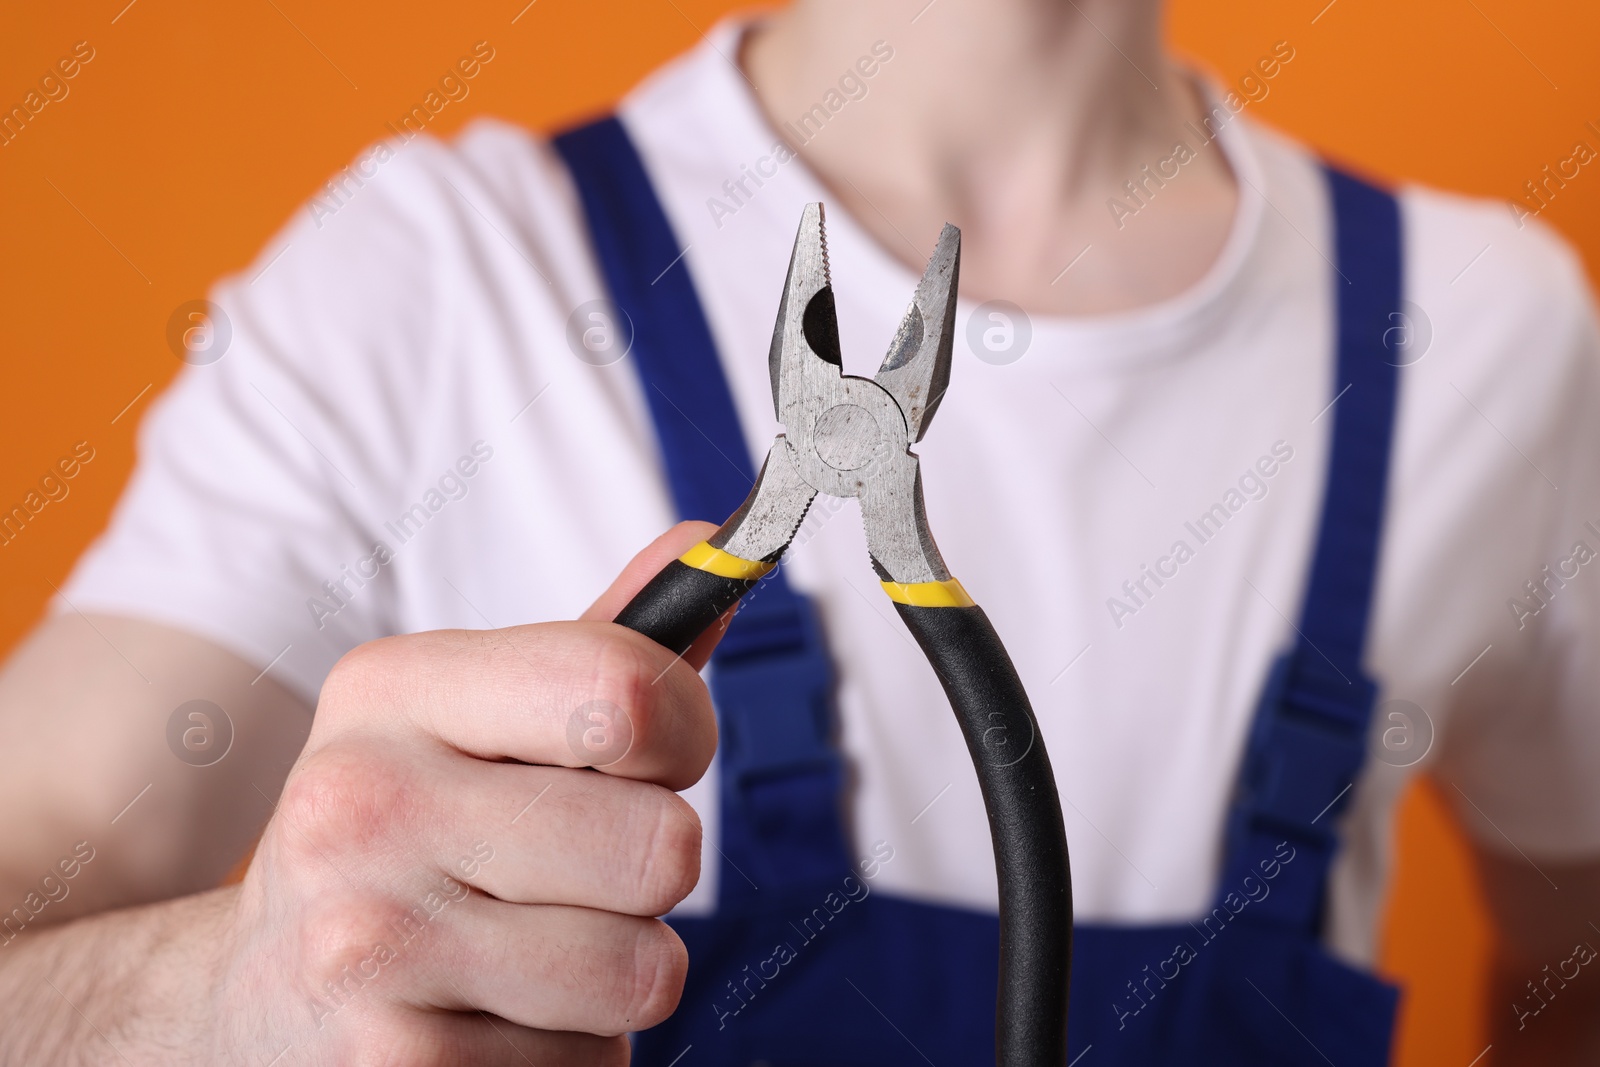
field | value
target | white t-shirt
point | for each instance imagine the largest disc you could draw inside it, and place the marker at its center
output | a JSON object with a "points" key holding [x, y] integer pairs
{"points": [[399, 372]]}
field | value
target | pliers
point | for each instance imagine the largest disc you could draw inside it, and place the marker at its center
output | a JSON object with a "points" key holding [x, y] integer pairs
{"points": [[850, 436]]}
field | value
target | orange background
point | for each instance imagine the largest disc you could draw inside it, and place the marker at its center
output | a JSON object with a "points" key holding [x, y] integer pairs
{"points": [[198, 128]]}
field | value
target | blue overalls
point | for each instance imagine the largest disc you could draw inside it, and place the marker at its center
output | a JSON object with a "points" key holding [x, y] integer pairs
{"points": [[890, 981]]}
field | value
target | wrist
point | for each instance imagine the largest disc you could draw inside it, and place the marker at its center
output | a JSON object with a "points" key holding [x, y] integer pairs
{"points": [[135, 986]]}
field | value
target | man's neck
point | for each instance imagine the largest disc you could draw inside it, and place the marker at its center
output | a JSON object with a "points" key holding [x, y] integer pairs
{"points": [[1017, 120]]}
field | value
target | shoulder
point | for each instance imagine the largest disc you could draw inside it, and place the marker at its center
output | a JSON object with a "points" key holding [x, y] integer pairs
{"points": [[1497, 307], [408, 287], [422, 194], [1482, 268], [396, 246], [1503, 310], [1472, 264]]}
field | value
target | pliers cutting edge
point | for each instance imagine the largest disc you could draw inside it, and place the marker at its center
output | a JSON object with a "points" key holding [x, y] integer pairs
{"points": [[850, 436]]}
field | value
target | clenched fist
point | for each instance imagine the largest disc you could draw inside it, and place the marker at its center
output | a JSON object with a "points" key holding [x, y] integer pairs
{"points": [[448, 880]]}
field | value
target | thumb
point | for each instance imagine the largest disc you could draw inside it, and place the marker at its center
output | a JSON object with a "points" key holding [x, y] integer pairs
{"points": [[645, 566]]}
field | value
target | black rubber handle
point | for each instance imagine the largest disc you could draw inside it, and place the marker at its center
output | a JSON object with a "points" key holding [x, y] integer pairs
{"points": [[681, 603], [1019, 792], [1030, 841]]}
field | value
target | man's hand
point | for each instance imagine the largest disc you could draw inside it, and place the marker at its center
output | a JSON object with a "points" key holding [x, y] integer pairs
{"points": [[1543, 996], [444, 879]]}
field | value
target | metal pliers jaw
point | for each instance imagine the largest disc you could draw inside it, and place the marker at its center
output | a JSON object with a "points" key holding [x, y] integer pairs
{"points": [[848, 436]]}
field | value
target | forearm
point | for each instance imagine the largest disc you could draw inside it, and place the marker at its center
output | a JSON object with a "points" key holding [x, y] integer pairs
{"points": [[1544, 985], [1536, 1018], [96, 764], [129, 987]]}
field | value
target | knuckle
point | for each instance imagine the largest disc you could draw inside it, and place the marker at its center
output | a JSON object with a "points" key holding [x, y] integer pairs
{"points": [[624, 673], [404, 1045], [345, 797], [344, 944], [668, 867], [613, 1052], [660, 967], [387, 1051], [358, 674]]}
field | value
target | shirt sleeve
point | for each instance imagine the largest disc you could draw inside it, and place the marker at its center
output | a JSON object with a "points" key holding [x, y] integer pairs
{"points": [[1520, 765], [243, 521]]}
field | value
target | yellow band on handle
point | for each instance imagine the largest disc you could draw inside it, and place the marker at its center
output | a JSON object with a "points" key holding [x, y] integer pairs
{"points": [[946, 594], [703, 557]]}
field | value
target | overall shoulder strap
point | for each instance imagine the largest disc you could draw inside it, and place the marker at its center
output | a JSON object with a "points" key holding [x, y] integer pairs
{"points": [[771, 679], [707, 462], [1308, 741], [1338, 599]]}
